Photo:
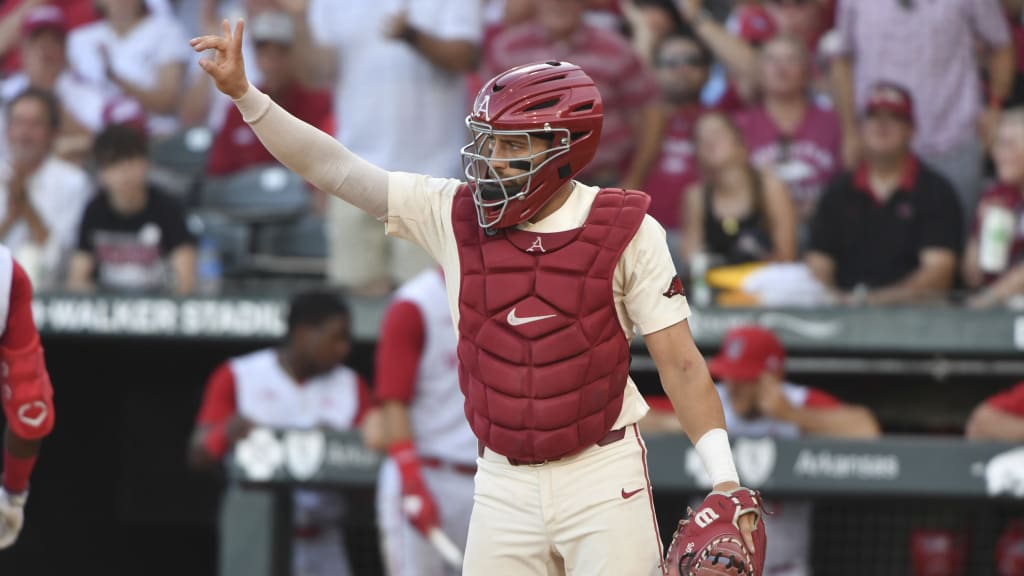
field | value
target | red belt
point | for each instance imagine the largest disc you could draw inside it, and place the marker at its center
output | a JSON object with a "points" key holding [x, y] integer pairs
{"points": [[468, 469], [609, 438]]}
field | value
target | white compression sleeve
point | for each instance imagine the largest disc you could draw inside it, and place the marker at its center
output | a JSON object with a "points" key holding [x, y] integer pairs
{"points": [[314, 155], [714, 451]]}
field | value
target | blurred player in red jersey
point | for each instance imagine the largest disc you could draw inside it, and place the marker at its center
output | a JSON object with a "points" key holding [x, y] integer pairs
{"points": [[427, 483], [26, 394]]}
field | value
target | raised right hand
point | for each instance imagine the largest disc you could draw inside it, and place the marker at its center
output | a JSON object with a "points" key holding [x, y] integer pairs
{"points": [[227, 68]]}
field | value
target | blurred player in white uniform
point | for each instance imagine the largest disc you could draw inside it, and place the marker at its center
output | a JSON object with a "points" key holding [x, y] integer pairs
{"points": [[758, 401], [299, 385], [428, 480], [26, 394]]}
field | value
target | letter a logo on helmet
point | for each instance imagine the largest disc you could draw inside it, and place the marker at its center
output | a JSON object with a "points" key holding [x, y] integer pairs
{"points": [[559, 111], [482, 108]]}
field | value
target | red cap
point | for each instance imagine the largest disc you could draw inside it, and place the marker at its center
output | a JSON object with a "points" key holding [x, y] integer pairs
{"points": [[746, 353], [756, 24], [891, 98], [46, 17], [126, 111]]}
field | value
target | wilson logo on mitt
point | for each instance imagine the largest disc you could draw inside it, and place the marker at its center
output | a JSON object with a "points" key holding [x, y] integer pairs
{"points": [[708, 542]]}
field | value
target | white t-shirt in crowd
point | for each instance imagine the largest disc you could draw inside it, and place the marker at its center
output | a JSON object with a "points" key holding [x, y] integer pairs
{"points": [[59, 192], [136, 57], [396, 109]]}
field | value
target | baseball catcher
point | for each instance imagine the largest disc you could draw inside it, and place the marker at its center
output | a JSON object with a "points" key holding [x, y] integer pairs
{"points": [[708, 542]]}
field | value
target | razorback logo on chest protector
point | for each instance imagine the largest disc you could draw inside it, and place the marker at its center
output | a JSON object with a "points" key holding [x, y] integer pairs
{"points": [[543, 360]]}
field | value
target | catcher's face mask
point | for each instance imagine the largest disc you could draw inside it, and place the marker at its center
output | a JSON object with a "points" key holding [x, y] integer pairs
{"points": [[503, 165]]}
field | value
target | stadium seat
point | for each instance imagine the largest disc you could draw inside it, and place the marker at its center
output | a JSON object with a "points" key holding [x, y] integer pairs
{"points": [[231, 237], [294, 248], [260, 194], [301, 238], [178, 163]]}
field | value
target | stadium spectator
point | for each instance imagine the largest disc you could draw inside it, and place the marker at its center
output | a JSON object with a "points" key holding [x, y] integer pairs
{"points": [[803, 20], [134, 53], [399, 81], [682, 65], [235, 147], [45, 67], [500, 13], [650, 22], [1000, 417], [734, 47], [890, 231], [42, 197], [1014, 10], [788, 133], [633, 121], [760, 402], [736, 213], [12, 16], [931, 48], [994, 258], [300, 384], [133, 237]]}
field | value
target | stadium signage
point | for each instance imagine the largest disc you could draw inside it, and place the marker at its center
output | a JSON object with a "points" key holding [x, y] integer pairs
{"points": [[905, 466], [842, 466], [248, 318]]}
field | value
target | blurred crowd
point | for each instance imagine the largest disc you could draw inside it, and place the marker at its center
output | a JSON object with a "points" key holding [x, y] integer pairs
{"points": [[797, 152]]}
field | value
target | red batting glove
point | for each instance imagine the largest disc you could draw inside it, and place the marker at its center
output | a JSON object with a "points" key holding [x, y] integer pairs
{"points": [[417, 503]]}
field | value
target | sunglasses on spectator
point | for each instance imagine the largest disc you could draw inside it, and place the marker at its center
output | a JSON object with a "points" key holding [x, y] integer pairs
{"points": [[693, 60]]}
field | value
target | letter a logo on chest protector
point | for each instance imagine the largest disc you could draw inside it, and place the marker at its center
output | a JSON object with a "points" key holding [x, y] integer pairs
{"points": [[537, 246]]}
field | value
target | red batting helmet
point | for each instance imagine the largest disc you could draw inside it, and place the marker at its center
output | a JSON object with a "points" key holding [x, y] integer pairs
{"points": [[554, 101]]}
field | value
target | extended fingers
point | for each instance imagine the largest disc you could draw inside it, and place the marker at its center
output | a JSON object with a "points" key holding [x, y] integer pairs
{"points": [[748, 540], [203, 43], [236, 40], [747, 529]]}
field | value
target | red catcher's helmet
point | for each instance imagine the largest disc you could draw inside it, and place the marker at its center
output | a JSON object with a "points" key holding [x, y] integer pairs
{"points": [[554, 101]]}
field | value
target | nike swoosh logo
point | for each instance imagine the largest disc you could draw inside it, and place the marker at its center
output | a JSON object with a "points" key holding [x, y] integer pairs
{"points": [[630, 494], [514, 320]]}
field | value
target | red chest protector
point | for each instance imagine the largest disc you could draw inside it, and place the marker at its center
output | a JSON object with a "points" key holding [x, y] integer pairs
{"points": [[543, 361]]}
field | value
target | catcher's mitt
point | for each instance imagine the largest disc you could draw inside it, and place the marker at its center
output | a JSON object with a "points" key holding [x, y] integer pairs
{"points": [[708, 542]]}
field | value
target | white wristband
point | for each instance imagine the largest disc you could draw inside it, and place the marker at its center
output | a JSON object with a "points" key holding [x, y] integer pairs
{"points": [[714, 451]]}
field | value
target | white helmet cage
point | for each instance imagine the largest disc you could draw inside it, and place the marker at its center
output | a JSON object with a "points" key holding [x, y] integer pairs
{"points": [[492, 192]]}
